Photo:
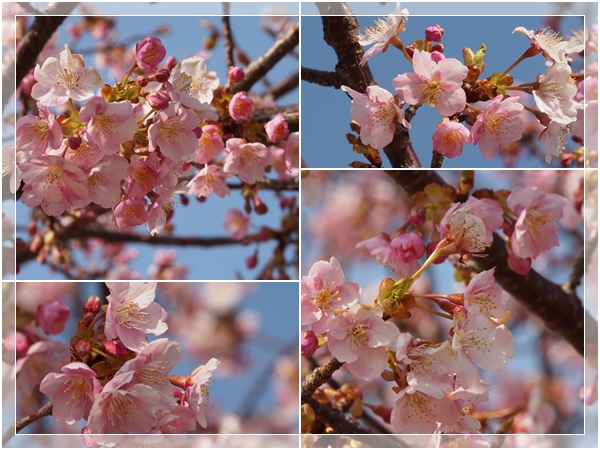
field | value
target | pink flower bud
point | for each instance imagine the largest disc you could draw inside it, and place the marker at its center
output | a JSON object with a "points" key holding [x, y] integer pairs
{"points": [[236, 74], [52, 316], [29, 81], [434, 33], [92, 305], [438, 48], [252, 261], [170, 63], [158, 100], [162, 75], [114, 348], [240, 106], [149, 52], [74, 142], [277, 128], [16, 343], [142, 80], [417, 214], [177, 393], [83, 349], [437, 56], [309, 343], [410, 49]]}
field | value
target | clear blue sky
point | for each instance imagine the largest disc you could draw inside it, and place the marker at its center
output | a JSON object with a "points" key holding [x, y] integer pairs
{"points": [[326, 111], [201, 220]]}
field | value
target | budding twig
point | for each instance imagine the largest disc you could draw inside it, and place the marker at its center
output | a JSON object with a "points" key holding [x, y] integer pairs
{"points": [[18, 425]]}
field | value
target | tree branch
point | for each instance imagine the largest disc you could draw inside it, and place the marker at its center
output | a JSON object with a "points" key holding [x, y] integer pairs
{"points": [[436, 160], [320, 376], [561, 312], [259, 67], [334, 418], [228, 42], [284, 86], [321, 77], [18, 425]]}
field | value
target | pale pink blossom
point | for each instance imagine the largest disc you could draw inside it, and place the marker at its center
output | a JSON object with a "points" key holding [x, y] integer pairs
{"points": [[210, 179], [402, 252], [498, 124], [34, 133], [170, 172], [240, 106], [417, 413], [555, 92], [42, 358], [142, 178], [162, 207], [172, 131], [382, 33], [196, 393], [108, 124], [247, 160], [377, 113], [52, 316], [482, 292], [149, 52], [292, 150], [437, 84], [551, 44], [237, 223], [55, 184], [359, 337], [277, 128], [130, 212], [467, 399], [11, 158], [132, 313], [86, 155], [192, 84], [73, 392], [210, 144], [324, 290], [449, 138], [536, 212], [64, 79], [123, 409], [104, 180], [555, 137], [488, 210], [464, 233]]}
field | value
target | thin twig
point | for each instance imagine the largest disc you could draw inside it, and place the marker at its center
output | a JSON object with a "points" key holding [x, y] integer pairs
{"points": [[18, 425], [227, 37]]}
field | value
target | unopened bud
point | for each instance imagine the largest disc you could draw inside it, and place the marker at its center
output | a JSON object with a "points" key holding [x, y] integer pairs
{"points": [[158, 100], [434, 33], [142, 80], [309, 343], [114, 348], [92, 305], [437, 56], [252, 261], [74, 142], [162, 75], [83, 349], [236, 74], [259, 207], [16, 343], [170, 63]]}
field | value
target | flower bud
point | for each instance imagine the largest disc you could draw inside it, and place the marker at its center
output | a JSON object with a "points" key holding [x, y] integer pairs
{"points": [[149, 52], [309, 343], [158, 100], [240, 106], [92, 305], [434, 33], [114, 348], [251, 261], [236, 74], [52, 316], [410, 49], [277, 128], [170, 63], [437, 56], [259, 207], [162, 75], [16, 343], [74, 142], [83, 349], [142, 80]]}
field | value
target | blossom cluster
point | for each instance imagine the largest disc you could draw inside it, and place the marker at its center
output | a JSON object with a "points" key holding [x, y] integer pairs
{"points": [[116, 380], [132, 147], [474, 109]]}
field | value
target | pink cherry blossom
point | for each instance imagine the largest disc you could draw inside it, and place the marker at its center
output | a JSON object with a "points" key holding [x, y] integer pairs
{"points": [[171, 171], [162, 207], [402, 252], [551, 44], [210, 144], [240, 106], [42, 358], [109, 124], [247, 160], [437, 84], [73, 392], [324, 290], [86, 155], [482, 292], [52, 316], [292, 150], [132, 314], [210, 179], [554, 95], [382, 33], [464, 233], [237, 223], [149, 52], [418, 413], [196, 394], [199, 84], [555, 137], [172, 131], [359, 337], [377, 113], [277, 128], [34, 133], [11, 159], [498, 124], [55, 184], [449, 137], [104, 180], [129, 213], [536, 212], [488, 210], [142, 178], [64, 79]]}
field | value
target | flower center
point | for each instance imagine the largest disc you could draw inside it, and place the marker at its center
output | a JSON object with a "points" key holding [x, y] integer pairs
{"points": [[548, 37], [358, 334], [326, 297], [432, 92]]}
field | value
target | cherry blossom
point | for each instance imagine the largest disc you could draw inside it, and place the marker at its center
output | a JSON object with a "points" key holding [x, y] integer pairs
{"points": [[536, 211], [488, 210], [52, 316], [210, 179], [464, 233], [359, 337], [377, 113], [171, 130], [132, 314], [554, 95], [551, 44], [73, 392], [382, 33], [324, 290], [196, 392], [41, 359], [162, 207], [498, 124], [130, 212], [277, 128], [142, 178], [104, 180], [149, 52], [64, 79], [436, 83], [402, 252], [247, 160], [483, 293], [210, 144], [11, 158], [449, 137], [237, 223], [240, 106], [34, 133], [202, 83]]}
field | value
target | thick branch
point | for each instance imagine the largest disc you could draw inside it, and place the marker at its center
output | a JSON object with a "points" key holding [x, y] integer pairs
{"points": [[227, 37], [259, 67], [334, 418], [321, 77], [436, 160], [561, 312], [320, 376], [18, 425], [284, 86]]}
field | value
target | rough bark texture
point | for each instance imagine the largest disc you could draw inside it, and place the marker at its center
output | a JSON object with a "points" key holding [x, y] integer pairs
{"points": [[320, 376]]}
